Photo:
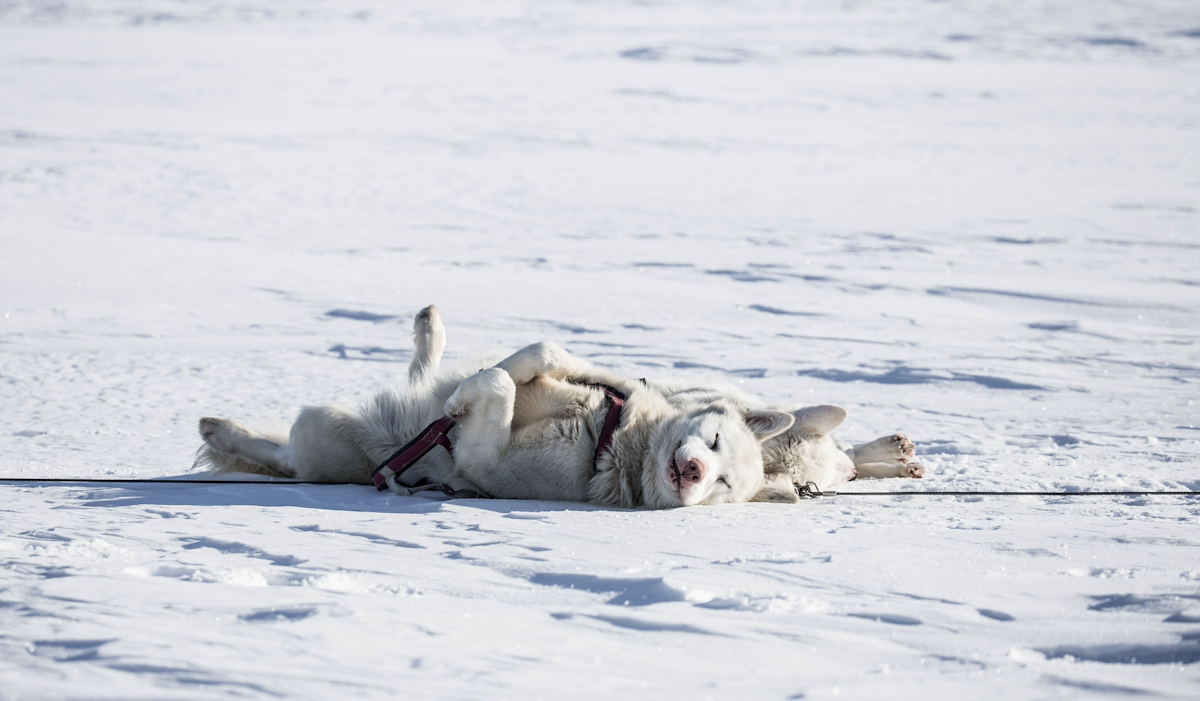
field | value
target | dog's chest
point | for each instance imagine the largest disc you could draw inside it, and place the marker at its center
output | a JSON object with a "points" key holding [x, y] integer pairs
{"points": [[564, 420]]}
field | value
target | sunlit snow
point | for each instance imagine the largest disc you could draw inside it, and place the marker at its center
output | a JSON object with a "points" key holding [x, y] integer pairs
{"points": [[977, 223]]}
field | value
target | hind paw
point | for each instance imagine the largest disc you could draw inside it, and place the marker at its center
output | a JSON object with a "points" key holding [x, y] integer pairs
{"points": [[222, 435], [428, 323], [894, 449], [913, 469]]}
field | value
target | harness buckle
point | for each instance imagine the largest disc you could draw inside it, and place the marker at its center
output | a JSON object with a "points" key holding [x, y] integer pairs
{"points": [[396, 486], [809, 490]]}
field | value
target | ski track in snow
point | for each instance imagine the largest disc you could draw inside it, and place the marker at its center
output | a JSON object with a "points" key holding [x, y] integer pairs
{"points": [[975, 223]]}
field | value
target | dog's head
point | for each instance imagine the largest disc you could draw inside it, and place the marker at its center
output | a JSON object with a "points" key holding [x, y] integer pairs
{"points": [[710, 455]]}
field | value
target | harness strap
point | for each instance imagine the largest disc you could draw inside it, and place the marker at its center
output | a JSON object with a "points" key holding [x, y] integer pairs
{"points": [[611, 420], [455, 488], [435, 434]]}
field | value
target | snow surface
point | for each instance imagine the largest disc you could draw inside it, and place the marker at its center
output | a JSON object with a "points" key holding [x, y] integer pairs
{"points": [[975, 222]]}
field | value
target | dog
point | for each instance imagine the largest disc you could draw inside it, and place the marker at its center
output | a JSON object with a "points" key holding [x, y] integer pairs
{"points": [[528, 427]]}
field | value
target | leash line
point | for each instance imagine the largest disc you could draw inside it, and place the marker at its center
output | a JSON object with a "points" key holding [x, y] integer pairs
{"points": [[946, 493], [1008, 494], [66, 480]]}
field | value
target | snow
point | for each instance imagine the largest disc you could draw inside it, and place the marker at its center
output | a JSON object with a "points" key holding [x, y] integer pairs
{"points": [[977, 223]]}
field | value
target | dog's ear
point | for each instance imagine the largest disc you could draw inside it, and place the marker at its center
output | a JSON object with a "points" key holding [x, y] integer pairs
{"points": [[766, 424], [777, 493], [819, 420]]}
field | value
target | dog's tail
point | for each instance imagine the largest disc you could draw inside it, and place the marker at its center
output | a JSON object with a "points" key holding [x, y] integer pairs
{"points": [[218, 463]]}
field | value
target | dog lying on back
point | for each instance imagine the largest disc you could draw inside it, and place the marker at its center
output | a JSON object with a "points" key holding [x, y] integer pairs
{"points": [[528, 428]]}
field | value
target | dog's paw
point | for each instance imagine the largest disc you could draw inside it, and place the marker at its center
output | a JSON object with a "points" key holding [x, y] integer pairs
{"points": [[913, 469], [479, 389], [907, 450], [427, 322], [455, 408], [459, 403], [894, 449], [426, 316], [221, 434]]}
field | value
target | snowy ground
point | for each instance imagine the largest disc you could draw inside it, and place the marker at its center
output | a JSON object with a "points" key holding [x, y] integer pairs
{"points": [[975, 222]]}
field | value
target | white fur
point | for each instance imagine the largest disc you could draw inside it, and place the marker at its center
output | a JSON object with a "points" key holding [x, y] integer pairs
{"points": [[527, 428], [808, 452]]}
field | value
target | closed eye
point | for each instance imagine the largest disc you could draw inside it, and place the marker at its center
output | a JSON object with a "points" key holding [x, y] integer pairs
{"points": [[724, 482], [716, 442]]}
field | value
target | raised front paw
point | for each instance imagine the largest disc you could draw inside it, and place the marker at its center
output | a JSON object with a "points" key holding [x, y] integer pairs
{"points": [[457, 405], [537, 359], [483, 386]]}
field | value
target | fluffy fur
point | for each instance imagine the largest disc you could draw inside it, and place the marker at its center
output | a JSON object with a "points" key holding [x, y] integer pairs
{"points": [[528, 427], [808, 452]]}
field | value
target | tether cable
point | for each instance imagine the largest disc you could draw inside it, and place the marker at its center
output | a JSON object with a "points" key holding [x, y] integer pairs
{"points": [[1007, 494], [809, 494], [65, 480]]}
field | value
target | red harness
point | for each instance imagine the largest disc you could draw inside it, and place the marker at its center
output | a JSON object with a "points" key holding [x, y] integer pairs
{"points": [[611, 420], [438, 433]]}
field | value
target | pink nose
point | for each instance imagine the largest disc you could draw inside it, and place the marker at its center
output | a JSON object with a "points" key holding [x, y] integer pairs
{"points": [[687, 474]]}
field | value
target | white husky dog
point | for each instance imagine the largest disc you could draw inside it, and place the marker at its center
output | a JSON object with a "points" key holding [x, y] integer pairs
{"points": [[528, 428]]}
